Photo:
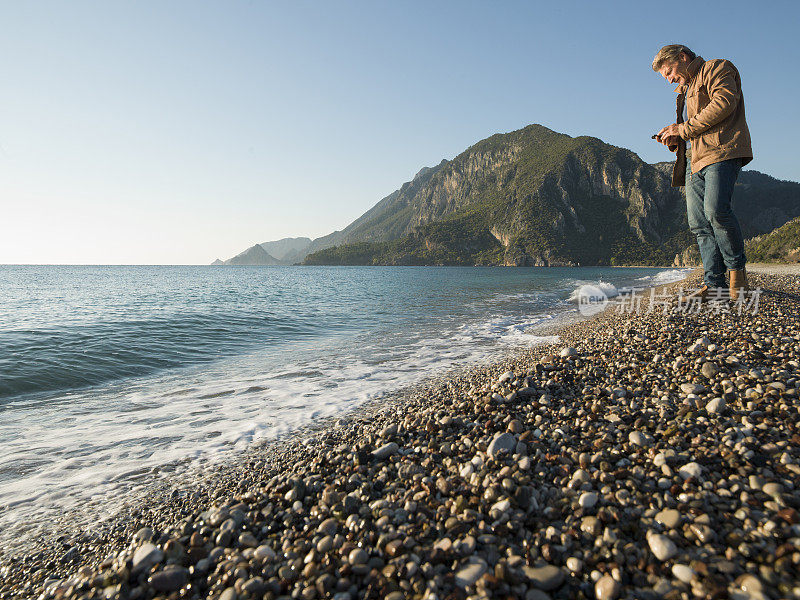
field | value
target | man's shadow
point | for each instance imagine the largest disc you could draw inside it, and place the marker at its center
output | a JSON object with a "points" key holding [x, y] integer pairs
{"points": [[779, 294]]}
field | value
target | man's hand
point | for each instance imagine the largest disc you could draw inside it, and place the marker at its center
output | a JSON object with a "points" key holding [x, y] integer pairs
{"points": [[668, 134], [671, 141]]}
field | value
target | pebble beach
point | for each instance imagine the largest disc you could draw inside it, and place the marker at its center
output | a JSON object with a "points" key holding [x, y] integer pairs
{"points": [[647, 454]]}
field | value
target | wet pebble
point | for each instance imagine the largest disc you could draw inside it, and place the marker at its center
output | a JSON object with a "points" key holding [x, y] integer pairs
{"points": [[661, 546], [607, 588]]}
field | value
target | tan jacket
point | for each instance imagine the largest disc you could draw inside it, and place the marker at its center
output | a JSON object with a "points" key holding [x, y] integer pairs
{"points": [[715, 121]]}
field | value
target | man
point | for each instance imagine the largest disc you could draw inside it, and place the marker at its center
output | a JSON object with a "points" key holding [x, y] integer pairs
{"points": [[720, 147]]}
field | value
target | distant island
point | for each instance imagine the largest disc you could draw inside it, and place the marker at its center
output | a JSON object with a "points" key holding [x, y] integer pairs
{"points": [[287, 251], [532, 197]]}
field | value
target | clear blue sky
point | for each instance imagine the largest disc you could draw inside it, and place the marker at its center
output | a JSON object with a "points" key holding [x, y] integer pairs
{"points": [[177, 132]]}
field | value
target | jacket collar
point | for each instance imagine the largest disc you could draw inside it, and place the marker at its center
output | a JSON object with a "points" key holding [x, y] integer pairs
{"points": [[693, 68]]}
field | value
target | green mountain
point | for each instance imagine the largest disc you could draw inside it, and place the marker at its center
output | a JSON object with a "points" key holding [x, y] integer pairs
{"points": [[780, 245], [529, 197], [538, 197]]}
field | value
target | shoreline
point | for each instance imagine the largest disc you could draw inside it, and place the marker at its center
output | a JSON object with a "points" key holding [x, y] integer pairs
{"points": [[271, 457], [367, 428]]}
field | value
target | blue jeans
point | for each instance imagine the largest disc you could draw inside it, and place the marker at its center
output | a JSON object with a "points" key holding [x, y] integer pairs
{"points": [[711, 219]]}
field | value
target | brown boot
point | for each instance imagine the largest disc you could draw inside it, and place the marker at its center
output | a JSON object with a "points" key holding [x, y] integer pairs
{"points": [[695, 296], [738, 282]]}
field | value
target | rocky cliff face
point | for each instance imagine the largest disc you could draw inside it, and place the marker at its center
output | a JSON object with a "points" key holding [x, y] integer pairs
{"points": [[530, 197], [537, 197]]}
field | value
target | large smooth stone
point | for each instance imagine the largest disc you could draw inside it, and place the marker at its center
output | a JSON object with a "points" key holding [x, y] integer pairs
{"points": [[502, 441], [607, 588], [386, 451], [545, 578], [691, 469], [692, 388], [170, 579], [669, 518], [683, 573], [146, 556], [662, 547], [588, 499], [715, 406], [471, 572]]}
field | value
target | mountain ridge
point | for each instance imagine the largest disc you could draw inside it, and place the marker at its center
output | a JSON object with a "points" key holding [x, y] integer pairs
{"points": [[781, 245], [538, 197]]}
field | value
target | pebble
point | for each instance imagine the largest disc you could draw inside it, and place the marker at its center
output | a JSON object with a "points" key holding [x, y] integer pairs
{"points": [[358, 557], [591, 525], [709, 370], [692, 388], [501, 441], [170, 579], [587, 499], [328, 527], [669, 518], [683, 573], [265, 552], [515, 426], [228, 594], [386, 451], [471, 572], [691, 469], [501, 506], [507, 376], [146, 556], [444, 544], [575, 565], [145, 534], [750, 583], [607, 588], [547, 577], [254, 586], [661, 546], [715, 406], [660, 459], [325, 544]]}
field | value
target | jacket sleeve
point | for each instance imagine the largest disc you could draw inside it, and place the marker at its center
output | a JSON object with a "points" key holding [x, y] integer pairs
{"points": [[724, 93]]}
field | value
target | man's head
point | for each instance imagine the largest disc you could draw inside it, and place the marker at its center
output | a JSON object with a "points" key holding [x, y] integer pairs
{"points": [[673, 63]]}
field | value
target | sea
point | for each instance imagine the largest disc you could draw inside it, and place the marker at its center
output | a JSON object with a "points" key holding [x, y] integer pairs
{"points": [[112, 377]]}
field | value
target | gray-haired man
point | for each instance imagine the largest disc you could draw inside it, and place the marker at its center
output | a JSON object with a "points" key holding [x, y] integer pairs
{"points": [[720, 146]]}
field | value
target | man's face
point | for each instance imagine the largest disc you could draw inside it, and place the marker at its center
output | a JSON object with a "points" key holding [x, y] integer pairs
{"points": [[675, 72]]}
